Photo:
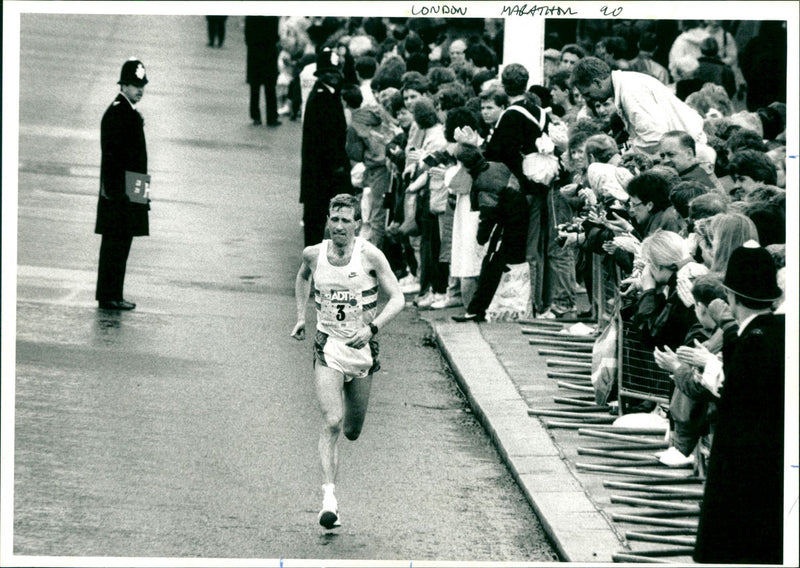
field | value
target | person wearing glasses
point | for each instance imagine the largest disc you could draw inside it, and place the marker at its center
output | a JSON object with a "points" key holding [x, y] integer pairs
{"points": [[649, 205]]}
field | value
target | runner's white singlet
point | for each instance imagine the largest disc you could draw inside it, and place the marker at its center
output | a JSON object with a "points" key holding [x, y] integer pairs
{"points": [[346, 297], [346, 300]]}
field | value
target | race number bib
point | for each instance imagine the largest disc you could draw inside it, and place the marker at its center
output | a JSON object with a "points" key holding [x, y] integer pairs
{"points": [[341, 310]]}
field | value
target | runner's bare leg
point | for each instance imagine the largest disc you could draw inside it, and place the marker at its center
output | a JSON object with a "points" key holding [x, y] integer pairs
{"points": [[329, 384]]}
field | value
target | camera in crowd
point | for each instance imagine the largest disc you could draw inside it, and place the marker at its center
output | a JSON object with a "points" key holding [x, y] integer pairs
{"points": [[575, 226]]}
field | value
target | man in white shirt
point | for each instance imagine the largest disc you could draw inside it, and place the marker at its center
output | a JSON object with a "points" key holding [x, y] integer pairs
{"points": [[647, 107]]}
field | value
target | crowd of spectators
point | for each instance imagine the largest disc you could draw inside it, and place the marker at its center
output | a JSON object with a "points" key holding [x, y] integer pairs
{"points": [[490, 193]]}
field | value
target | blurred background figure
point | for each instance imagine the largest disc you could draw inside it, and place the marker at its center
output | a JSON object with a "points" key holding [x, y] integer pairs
{"points": [[216, 30], [261, 37]]}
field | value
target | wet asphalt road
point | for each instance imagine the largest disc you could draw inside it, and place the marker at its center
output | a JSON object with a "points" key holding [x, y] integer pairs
{"points": [[188, 427]]}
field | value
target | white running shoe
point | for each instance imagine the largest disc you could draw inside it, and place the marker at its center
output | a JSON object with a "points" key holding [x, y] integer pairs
{"points": [[547, 315], [447, 302], [409, 284], [426, 301], [329, 515]]}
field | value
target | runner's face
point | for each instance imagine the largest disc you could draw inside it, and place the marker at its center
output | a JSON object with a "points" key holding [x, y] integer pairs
{"points": [[342, 225]]}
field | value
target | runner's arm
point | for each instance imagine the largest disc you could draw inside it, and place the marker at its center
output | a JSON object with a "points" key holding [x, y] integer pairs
{"points": [[388, 283], [376, 262], [302, 290]]}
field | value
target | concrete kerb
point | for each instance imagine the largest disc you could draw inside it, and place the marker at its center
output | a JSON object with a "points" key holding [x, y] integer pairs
{"points": [[578, 530]]}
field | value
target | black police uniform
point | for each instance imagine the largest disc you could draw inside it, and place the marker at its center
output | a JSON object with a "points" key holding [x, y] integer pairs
{"points": [[124, 149]]}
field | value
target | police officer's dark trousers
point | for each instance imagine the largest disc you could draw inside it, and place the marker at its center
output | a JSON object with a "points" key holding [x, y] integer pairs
{"points": [[114, 250]]}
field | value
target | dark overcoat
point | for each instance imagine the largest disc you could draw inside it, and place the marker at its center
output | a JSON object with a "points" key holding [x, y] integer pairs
{"points": [[741, 519], [325, 168], [261, 38], [123, 149]]}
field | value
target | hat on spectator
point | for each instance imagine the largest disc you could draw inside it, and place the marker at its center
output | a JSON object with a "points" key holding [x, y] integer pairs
{"points": [[132, 73], [751, 273], [328, 61]]}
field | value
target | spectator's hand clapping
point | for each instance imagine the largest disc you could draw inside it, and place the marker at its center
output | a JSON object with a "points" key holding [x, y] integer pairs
{"points": [[667, 359], [628, 243], [466, 135], [696, 356]]}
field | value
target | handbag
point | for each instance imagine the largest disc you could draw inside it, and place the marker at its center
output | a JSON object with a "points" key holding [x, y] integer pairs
{"points": [[409, 225], [605, 363], [541, 166]]}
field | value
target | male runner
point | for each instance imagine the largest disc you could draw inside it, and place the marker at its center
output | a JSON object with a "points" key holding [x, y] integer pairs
{"points": [[347, 272]]}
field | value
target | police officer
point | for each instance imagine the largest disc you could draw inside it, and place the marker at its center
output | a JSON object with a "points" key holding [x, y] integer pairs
{"points": [[325, 168], [118, 219]]}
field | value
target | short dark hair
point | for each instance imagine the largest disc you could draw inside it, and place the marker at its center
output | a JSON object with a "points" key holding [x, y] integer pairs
{"points": [[352, 96], [346, 200], [438, 76], [560, 79], [745, 139], [415, 81], [452, 95], [651, 187], [587, 70], [648, 41], [683, 193], [366, 66], [515, 79], [424, 113], [417, 62], [709, 47], [396, 104], [497, 95], [616, 46], [755, 165], [707, 205], [574, 49], [459, 117], [481, 55], [479, 78], [543, 93], [707, 288], [684, 139], [770, 222]]}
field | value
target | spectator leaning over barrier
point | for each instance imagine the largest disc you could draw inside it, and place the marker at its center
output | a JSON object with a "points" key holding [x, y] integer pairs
{"points": [[677, 150], [741, 515], [689, 404], [647, 107], [659, 316], [607, 179], [649, 205]]}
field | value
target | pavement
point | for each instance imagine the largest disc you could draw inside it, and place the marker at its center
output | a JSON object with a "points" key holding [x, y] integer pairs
{"points": [[506, 379]]}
